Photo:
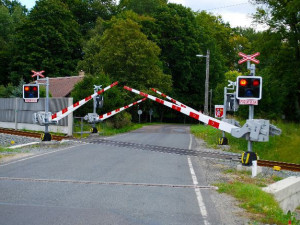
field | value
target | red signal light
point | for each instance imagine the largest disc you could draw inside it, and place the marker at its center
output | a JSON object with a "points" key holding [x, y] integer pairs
{"points": [[256, 83], [243, 82], [26, 88], [34, 88]]}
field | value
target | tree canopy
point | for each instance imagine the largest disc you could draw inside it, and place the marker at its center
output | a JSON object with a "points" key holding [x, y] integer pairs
{"points": [[152, 43]]}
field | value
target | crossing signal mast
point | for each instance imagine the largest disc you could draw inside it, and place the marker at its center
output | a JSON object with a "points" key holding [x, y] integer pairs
{"points": [[249, 92]]}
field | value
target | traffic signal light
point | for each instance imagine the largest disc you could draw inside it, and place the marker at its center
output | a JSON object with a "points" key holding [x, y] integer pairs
{"points": [[249, 87], [99, 101], [31, 92]]}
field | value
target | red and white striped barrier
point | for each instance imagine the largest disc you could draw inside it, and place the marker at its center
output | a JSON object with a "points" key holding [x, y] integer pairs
{"points": [[66, 111], [196, 115], [109, 114], [173, 100]]}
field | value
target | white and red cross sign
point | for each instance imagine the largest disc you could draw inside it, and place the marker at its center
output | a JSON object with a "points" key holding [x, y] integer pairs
{"points": [[37, 74], [248, 57]]}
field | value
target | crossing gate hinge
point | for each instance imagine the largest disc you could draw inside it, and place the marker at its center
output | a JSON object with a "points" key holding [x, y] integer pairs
{"points": [[253, 130], [274, 130], [41, 117], [232, 121], [92, 117]]}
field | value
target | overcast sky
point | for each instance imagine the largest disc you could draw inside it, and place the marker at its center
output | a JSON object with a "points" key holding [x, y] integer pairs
{"points": [[236, 12]]}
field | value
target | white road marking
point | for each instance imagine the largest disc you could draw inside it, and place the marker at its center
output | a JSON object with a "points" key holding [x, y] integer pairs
{"points": [[103, 183], [47, 153], [23, 145], [201, 204]]}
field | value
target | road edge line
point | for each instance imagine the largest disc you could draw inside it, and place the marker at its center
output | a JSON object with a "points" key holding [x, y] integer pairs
{"points": [[201, 204]]}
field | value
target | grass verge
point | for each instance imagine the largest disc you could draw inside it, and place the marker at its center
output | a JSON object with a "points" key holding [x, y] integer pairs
{"points": [[261, 205], [283, 148], [105, 129], [4, 151]]}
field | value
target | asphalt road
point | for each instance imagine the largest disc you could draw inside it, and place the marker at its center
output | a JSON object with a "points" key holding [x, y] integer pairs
{"points": [[102, 184]]}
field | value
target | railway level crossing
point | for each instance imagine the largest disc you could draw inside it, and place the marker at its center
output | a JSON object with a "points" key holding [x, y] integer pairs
{"points": [[248, 92]]}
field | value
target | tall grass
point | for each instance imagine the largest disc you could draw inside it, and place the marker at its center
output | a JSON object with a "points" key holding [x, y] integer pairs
{"points": [[285, 147], [258, 202]]}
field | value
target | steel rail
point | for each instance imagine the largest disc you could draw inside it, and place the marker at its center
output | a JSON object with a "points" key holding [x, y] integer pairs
{"points": [[283, 165], [28, 134]]}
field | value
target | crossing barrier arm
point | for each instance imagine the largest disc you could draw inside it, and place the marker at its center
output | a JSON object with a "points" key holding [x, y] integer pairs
{"points": [[66, 111], [109, 114], [173, 100], [187, 111]]}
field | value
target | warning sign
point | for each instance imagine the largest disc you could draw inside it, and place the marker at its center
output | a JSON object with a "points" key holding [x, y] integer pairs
{"points": [[219, 111]]}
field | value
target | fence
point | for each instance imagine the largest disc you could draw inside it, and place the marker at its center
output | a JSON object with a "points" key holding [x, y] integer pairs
{"points": [[16, 114]]}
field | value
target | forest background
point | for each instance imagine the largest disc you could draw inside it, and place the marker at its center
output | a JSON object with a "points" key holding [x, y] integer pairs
{"points": [[151, 44]]}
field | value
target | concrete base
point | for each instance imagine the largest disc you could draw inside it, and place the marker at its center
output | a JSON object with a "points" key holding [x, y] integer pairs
{"points": [[248, 168], [286, 192]]}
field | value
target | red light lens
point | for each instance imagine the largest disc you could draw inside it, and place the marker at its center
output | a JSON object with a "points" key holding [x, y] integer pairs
{"points": [[34, 88], [256, 83], [243, 82], [26, 88]]}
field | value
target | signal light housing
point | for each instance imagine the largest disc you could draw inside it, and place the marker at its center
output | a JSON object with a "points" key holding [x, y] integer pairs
{"points": [[249, 87], [31, 92]]}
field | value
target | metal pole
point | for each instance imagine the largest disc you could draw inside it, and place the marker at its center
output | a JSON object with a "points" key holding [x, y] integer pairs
{"points": [[210, 102], [94, 108], [206, 84], [16, 113], [47, 105], [251, 117], [224, 110], [251, 107]]}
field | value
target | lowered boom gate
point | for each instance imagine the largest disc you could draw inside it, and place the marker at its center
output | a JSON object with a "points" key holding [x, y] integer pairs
{"points": [[94, 117], [253, 130], [44, 118]]}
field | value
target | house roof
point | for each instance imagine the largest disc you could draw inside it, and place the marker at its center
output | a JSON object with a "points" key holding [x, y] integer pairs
{"points": [[62, 86]]}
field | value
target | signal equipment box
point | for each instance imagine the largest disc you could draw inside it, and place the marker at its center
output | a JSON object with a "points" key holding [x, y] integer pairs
{"points": [[249, 87], [31, 92]]}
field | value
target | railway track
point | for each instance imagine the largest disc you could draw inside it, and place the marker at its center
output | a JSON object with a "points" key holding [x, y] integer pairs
{"points": [[208, 154], [180, 151], [28, 134], [282, 165]]}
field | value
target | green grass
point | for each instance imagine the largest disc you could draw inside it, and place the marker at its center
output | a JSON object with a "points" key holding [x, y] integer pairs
{"points": [[262, 205], [108, 131], [283, 148], [6, 150], [105, 129]]}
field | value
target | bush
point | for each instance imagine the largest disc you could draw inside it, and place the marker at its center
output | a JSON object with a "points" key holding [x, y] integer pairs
{"points": [[121, 120]]}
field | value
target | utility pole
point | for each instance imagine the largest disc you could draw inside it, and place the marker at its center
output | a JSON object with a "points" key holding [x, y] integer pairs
{"points": [[206, 81]]}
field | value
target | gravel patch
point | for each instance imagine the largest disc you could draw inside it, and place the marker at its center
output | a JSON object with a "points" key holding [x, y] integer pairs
{"points": [[6, 139]]}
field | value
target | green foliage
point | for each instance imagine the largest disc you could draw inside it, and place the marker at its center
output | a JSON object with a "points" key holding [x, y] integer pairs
{"points": [[6, 91], [219, 91], [86, 12], [142, 6], [112, 98], [120, 120], [11, 17], [52, 43], [256, 201], [125, 54]]}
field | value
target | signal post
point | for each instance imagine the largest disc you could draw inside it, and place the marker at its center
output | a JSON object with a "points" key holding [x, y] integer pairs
{"points": [[31, 95]]}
